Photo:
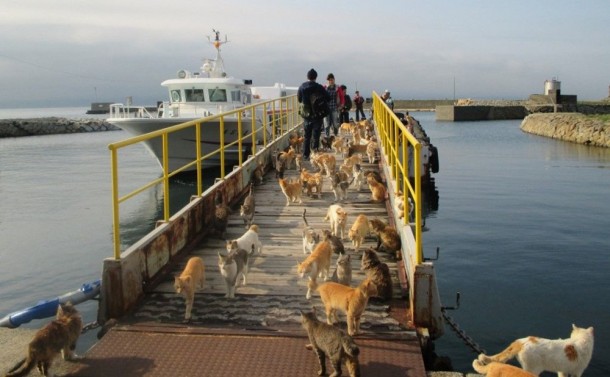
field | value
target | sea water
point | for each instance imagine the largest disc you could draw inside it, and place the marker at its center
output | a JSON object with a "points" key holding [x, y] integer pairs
{"points": [[521, 223]]}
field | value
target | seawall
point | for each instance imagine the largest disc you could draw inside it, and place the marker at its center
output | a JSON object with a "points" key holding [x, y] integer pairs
{"points": [[573, 127], [51, 125]]}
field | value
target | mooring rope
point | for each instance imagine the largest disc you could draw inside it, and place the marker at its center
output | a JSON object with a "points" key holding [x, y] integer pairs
{"points": [[462, 334]]}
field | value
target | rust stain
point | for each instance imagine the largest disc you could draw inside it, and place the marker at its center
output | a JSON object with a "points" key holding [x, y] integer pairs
{"points": [[571, 352]]}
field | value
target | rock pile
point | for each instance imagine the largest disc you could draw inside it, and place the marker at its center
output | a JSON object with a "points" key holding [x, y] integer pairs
{"points": [[51, 125], [573, 127]]}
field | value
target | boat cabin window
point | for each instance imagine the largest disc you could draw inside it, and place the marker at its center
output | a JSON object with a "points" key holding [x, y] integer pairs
{"points": [[236, 96], [194, 95], [217, 95], [175, 95]]}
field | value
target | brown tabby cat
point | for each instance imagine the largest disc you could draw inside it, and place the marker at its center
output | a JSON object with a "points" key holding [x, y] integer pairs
{"points": [[328, 340], [58, 336], [316, 264], [221, 215], [351, 301], [387, 238], [291, 190], [259, 173], [246, 210], [378, 272], [495, 369], [191, 278]]}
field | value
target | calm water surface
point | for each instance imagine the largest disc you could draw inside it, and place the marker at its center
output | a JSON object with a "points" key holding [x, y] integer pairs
{"points": [[522, 225]]}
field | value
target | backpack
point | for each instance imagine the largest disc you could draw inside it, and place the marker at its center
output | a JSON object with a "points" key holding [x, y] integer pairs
{"points": [[317, 108], [348, 103]]}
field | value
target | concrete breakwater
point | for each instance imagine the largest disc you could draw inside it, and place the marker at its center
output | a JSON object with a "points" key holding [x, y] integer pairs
{"points": [[51, 125], [573, 127]]}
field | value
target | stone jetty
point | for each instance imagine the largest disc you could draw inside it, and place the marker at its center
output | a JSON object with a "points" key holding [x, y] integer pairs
{"points": [[52, 125], [575, 127]]}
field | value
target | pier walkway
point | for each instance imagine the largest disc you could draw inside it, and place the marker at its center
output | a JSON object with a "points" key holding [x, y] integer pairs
{"points": [[259, 331]]}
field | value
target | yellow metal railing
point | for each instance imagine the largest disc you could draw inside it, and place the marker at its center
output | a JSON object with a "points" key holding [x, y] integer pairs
{"points": [[402, 152], [277, 116]]}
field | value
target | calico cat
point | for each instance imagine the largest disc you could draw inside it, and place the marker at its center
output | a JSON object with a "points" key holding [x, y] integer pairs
{"points": [[351, 301], [191, 278], [388, 239], [246, 210], [291, 190], [328, 340], [359, 230], [316, 264], [310, 236], [248, 241], [378, 190], [335, 242], [343, 271], [378, 272], [231, 266], [58, 336], [338, 219], [495, 369], [221, 215], [567, 357]]}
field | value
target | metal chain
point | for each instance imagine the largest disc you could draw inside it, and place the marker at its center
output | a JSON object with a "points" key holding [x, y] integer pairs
{"points": [[462, 334], [90, 326]]}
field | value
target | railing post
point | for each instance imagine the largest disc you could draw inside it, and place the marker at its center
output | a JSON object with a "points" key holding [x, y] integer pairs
{"points": [[222, 147], [116, 233], [166, 214], [198, 152], [418, 201]]}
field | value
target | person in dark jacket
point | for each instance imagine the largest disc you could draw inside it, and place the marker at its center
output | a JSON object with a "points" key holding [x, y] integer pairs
{"points": [[312, 125]]}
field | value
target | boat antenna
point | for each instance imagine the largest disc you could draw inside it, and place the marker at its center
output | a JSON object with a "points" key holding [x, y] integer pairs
{"points": [[218, 69]]}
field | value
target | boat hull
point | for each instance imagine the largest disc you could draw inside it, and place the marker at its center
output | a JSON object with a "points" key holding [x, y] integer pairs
{"points": [[182, 144]]}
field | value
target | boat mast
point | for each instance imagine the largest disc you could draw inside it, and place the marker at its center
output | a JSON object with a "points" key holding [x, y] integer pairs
{"points": [[217, 68]]}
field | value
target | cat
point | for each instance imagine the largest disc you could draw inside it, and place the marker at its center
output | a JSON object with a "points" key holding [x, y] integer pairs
{"points": [[495, 369], [328, 340], [371, 150], [338, 144], [326, 142], [324, 162], [280, 167], [316, 264], [359, 230], [291, 190], [378, 190], [57, 336], [221, 215], [343, 271], [353, 160], [298, 160], [287, 157], [247, 209], [399, 205], [335, 242], [567, 357], [339, 186], [310, 236], [378, 272], [388, 239], [248, 241], [374, 174], [358, 176], [258, 173], [338, 219], [231, 266], [351, 301], [191, 278], [313, 184]]}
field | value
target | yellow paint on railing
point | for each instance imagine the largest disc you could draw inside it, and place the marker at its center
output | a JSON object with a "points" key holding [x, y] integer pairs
{"points": [[396, 141], [286, 116]]}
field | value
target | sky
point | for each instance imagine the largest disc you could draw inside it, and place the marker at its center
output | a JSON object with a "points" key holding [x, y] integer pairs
{"points": [[74, 52]]}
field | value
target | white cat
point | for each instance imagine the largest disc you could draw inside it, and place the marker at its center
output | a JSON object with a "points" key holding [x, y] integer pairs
{"points": [[248, 241], [310, 236], [231, 266], [338, 220], [567, 357]]}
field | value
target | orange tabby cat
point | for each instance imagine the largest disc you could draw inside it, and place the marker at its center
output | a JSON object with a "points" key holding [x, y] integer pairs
{"points": [[316, 264], [371, 150], [359, 230], [291, 190], [189, 280], [325, 162], [495, 369], [351, 301], [287, 157], [378, 190]]}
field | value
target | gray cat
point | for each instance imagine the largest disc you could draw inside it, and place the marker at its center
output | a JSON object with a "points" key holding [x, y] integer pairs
{"points": [[335, 242], [327, 340], [231, 266], [343, 272]]}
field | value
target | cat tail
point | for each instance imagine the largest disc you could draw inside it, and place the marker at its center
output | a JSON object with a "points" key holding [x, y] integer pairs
{"points": [[349, 346], [509, 353], [22, 368], [480, 367], [304, 219]]}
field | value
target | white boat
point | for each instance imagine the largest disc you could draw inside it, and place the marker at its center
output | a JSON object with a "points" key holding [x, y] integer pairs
{"points": [[194, 95]]}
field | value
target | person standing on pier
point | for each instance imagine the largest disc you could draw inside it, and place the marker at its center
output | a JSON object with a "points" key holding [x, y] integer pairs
{"points": [[388, 99], [347, 106], [312, 124], [335, 103], [359, 103]]}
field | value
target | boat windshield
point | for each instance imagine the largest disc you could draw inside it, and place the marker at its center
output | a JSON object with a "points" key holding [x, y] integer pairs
{"points": [[194, 95], [217, 95]]}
